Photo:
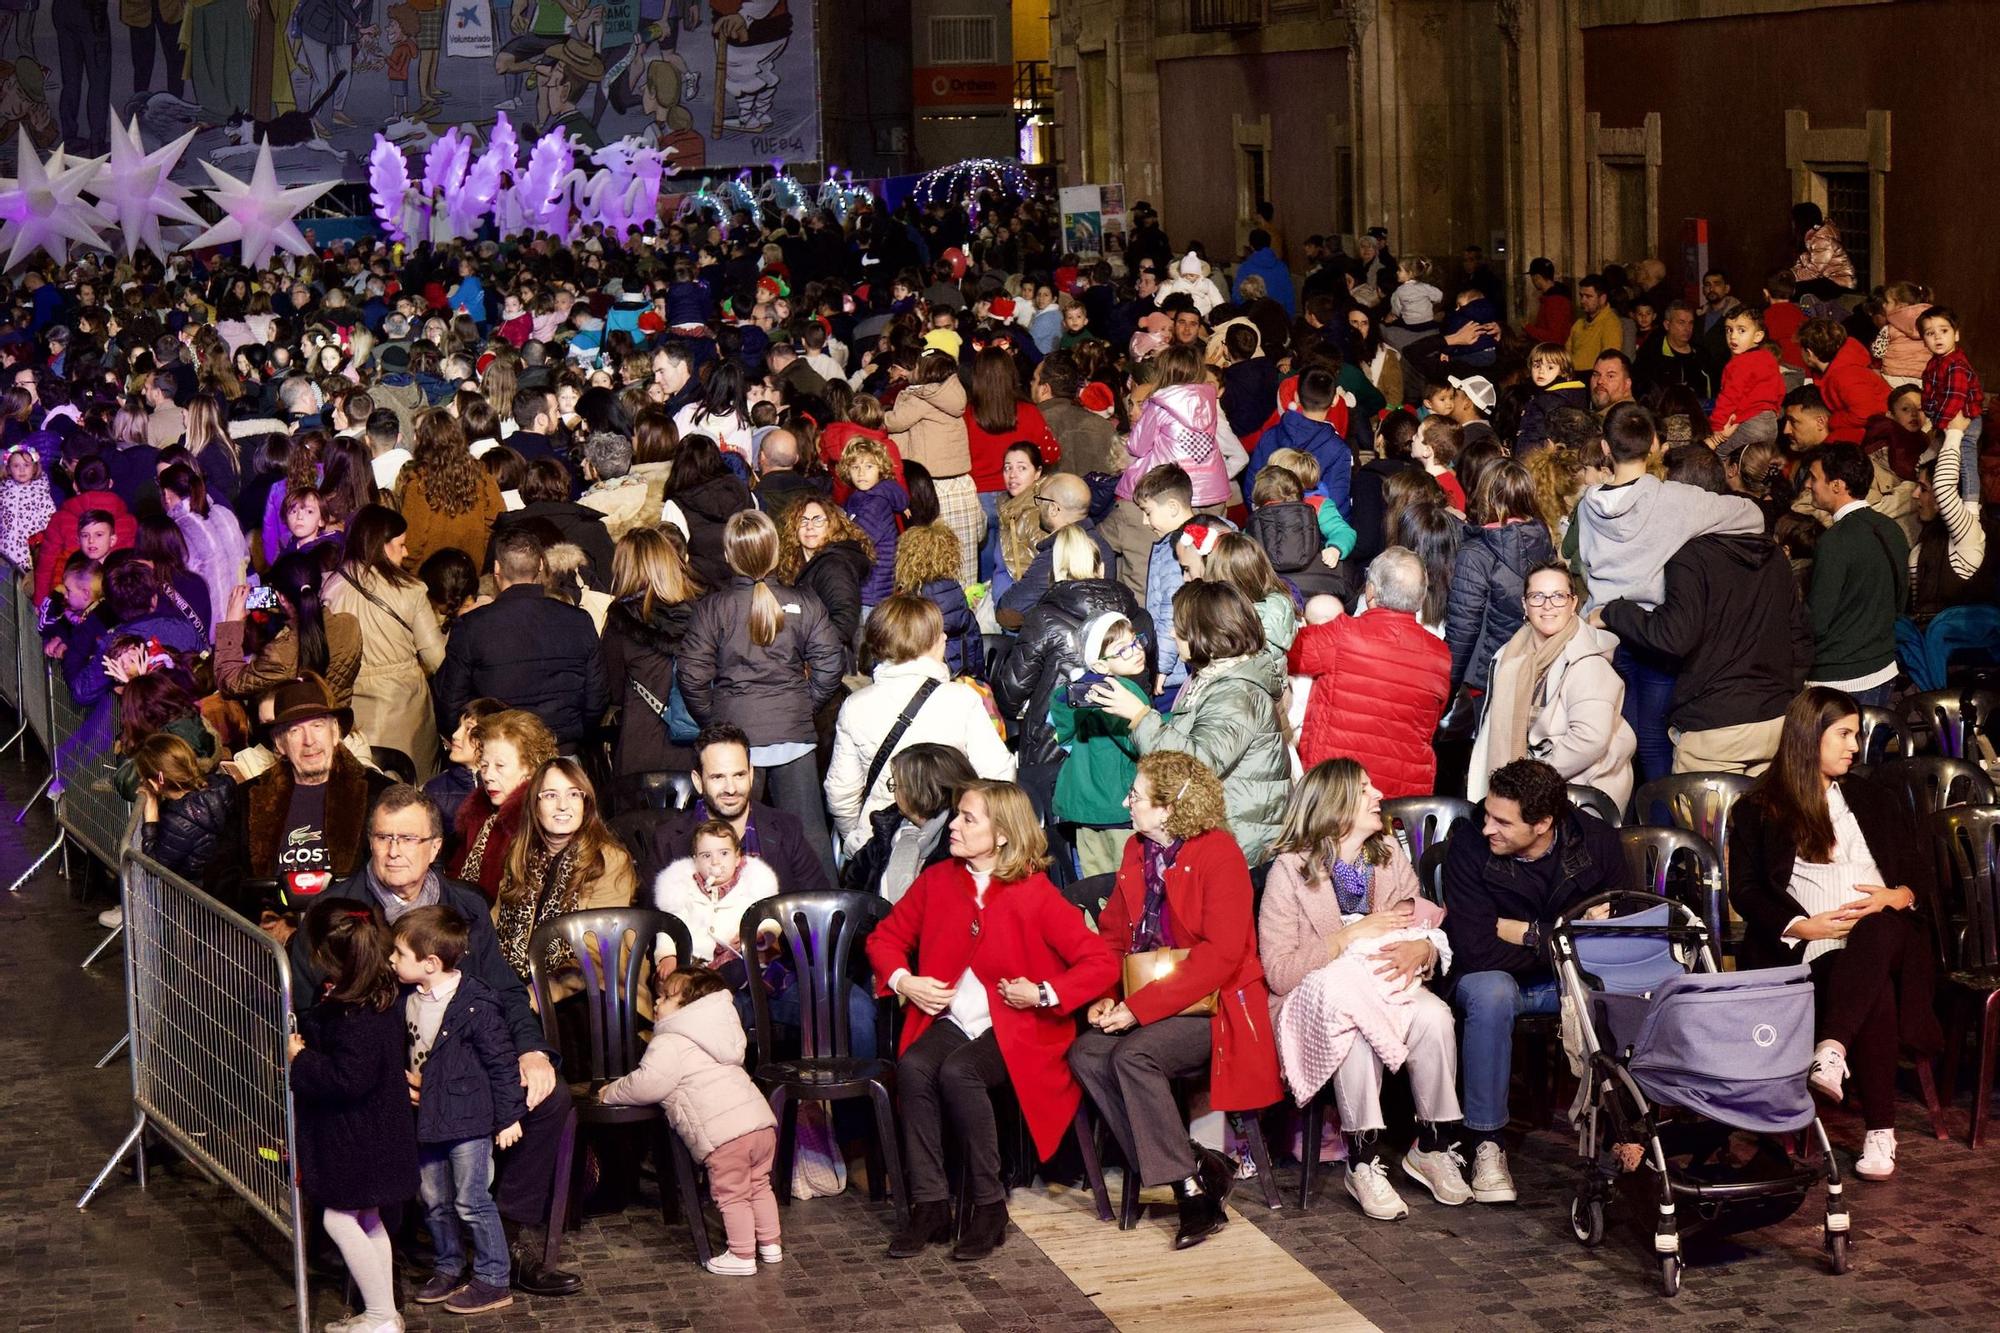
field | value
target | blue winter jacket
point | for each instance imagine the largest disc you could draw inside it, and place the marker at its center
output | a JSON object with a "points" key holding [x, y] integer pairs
{"points": [[1277, 279], [1296, 430], [472, 1077]]}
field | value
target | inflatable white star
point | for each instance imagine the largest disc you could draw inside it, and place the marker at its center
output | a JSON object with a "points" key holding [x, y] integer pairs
{"points": [[258, 213], [136, 194], [41, 209]]}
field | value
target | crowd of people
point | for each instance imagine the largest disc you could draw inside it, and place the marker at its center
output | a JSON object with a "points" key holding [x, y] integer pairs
{"points": [[419, 597]]}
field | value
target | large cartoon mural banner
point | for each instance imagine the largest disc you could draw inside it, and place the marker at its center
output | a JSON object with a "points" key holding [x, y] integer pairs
{"points": [[720, 83]]}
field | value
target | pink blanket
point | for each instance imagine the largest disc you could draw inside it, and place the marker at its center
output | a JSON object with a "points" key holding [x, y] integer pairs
{"points": [[1319, 1021]]}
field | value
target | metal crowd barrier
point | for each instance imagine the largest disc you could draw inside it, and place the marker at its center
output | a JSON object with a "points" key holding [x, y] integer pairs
{"points": [[208, 995], [208, 1013]]}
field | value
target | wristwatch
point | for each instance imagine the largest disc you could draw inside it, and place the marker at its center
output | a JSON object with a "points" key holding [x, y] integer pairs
{"points": [[1531, 938], [1046, 995]]}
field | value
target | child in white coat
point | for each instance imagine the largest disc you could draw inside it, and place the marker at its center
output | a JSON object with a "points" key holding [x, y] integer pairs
{"points": [[693, 1068]]}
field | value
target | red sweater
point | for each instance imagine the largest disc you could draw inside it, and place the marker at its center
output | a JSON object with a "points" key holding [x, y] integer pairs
{"points": [[833, 442], [1026, 929], [1854, 394], [989, 451], [1782, 322], [1210, 909], [1751, 383]]}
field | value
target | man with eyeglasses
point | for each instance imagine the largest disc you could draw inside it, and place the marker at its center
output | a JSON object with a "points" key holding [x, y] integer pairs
{"points": [[299, 824], [405, 832], [1062, 500]]}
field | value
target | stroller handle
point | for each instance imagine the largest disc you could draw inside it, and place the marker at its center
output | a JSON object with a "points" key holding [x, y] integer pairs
{"points": [[1680, 917]]}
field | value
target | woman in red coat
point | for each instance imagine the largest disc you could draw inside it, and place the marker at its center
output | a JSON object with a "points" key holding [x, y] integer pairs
{"points": [[1002, 964], [1183, 885]]}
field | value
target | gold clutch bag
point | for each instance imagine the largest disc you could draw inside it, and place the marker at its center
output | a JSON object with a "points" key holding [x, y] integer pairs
{"points": [[1142, 969]]}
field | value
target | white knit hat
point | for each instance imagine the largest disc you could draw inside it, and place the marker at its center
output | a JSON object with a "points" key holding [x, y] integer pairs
{"points": [[1097, 630]]}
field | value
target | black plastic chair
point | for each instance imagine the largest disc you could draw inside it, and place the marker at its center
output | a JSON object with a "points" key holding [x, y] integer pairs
{"points": [[1651, 854], [1248, 1127], [1421, 820], [1930, 783], [1966, 843], [1956, 718], [1596, 802], [820, 931], [1430, 871], [615, 971], [394, 762], [1884, 737]]}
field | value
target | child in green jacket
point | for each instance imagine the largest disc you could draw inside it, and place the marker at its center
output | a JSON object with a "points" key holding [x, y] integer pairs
{"points": [[1102, 760]]}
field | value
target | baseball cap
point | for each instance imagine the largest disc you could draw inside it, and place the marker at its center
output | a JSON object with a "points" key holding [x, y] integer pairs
{"points": [[1478, 388]]}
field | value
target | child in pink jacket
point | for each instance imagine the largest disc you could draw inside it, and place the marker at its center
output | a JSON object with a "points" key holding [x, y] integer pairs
{"points": [[693, 1068]]}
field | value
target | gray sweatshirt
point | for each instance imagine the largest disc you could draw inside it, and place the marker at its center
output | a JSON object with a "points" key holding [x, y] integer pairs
{"points": [[1628, 533]]}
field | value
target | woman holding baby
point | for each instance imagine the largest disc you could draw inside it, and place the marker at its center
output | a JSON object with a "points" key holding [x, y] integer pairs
{"points": [[1347, 942]]}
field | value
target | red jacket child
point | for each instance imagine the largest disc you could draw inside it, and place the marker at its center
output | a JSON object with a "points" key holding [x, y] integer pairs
{"points": [[59, 539], [1210, 903], [1853, 392], [1026, 929], [1751, 383]]}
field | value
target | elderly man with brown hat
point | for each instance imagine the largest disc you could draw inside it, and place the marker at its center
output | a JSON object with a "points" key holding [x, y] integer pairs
{"points": [[302, 823]]}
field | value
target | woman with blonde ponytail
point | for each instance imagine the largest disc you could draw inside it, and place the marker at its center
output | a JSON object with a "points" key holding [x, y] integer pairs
{"points": [[764, 656]]}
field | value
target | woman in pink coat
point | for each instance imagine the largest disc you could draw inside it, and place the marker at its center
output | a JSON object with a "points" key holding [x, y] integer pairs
{"points": [[1340, 884]]}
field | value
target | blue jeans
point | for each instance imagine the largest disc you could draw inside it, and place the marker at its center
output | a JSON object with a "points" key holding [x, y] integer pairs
{"points": [[989, 550], [1487, 1005], [1876, 696], [457, 1184], [1973, 630], [1649, 696], [1968, 459]]}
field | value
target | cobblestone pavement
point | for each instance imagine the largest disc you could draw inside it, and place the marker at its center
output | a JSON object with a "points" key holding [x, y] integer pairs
{"points": [[185, 1255]]}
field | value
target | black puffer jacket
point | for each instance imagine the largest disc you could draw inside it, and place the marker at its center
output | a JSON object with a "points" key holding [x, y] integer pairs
{"points": [[770, 691], [1050, 648], [641, 652], [706, 508], [193, 829], [1487, 580], [530, 651], [580, 526], [835, 576], [1369, 506]]}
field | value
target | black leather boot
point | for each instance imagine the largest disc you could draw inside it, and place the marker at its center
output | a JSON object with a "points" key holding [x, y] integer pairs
{"points": [[929, 1223], [984, 1231], [1202, 1214]]}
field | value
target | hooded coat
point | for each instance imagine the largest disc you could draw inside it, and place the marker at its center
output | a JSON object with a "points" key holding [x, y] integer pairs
{"points": [[1489, 575], [704, 511], [639, 651], [1296, 430], [1050, 650], [1627, 533], [1290, 534], [1178, 425], [693, 1069], [1227, 717]]}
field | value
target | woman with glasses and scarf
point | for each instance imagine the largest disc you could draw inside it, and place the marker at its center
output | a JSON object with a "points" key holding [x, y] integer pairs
{"points": [[1553, 695]]}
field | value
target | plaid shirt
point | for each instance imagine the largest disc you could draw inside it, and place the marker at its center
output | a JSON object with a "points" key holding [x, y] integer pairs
{"points": [[1951, 389]]}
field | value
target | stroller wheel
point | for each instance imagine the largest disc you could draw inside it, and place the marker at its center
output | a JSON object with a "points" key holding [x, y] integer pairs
{"points": [[1836, 1249], [1670, 1274], [1586, 1221]]}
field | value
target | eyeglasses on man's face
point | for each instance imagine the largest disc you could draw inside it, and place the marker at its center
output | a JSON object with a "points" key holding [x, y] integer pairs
{"points": [[400, 842]]}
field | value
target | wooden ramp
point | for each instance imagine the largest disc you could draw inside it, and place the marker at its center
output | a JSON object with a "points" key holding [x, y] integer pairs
{"points": [[1239, 1279]]}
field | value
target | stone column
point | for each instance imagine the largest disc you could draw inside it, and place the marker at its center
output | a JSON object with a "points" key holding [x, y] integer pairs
{"points": [[1546, 203]]}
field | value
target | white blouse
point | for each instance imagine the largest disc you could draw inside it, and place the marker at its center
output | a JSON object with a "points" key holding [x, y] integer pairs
{"points": [[1824, 886]]}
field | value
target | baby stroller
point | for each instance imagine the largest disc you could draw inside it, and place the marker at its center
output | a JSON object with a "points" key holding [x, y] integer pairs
{"points": [[1679, 1057]]}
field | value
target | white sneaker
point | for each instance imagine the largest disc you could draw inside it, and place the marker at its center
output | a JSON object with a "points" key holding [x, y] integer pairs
{"points": [[1369, 1183], [1829, 1071], [1491, 1181], [729, 1265], [1878, 1155], [111, 918], [771, 1254], [1441, 1172]]}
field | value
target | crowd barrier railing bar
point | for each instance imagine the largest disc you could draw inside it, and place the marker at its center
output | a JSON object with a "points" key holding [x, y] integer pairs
{"points": [[208, 1014]]}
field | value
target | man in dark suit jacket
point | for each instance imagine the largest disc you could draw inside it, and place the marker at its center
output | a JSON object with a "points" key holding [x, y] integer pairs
{"points": [[526, 649], [722, 781], [405, 834]]}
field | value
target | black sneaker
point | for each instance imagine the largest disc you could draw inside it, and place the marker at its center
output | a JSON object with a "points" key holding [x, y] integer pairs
{"points": [[439, 1288], [476, 1296]]}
